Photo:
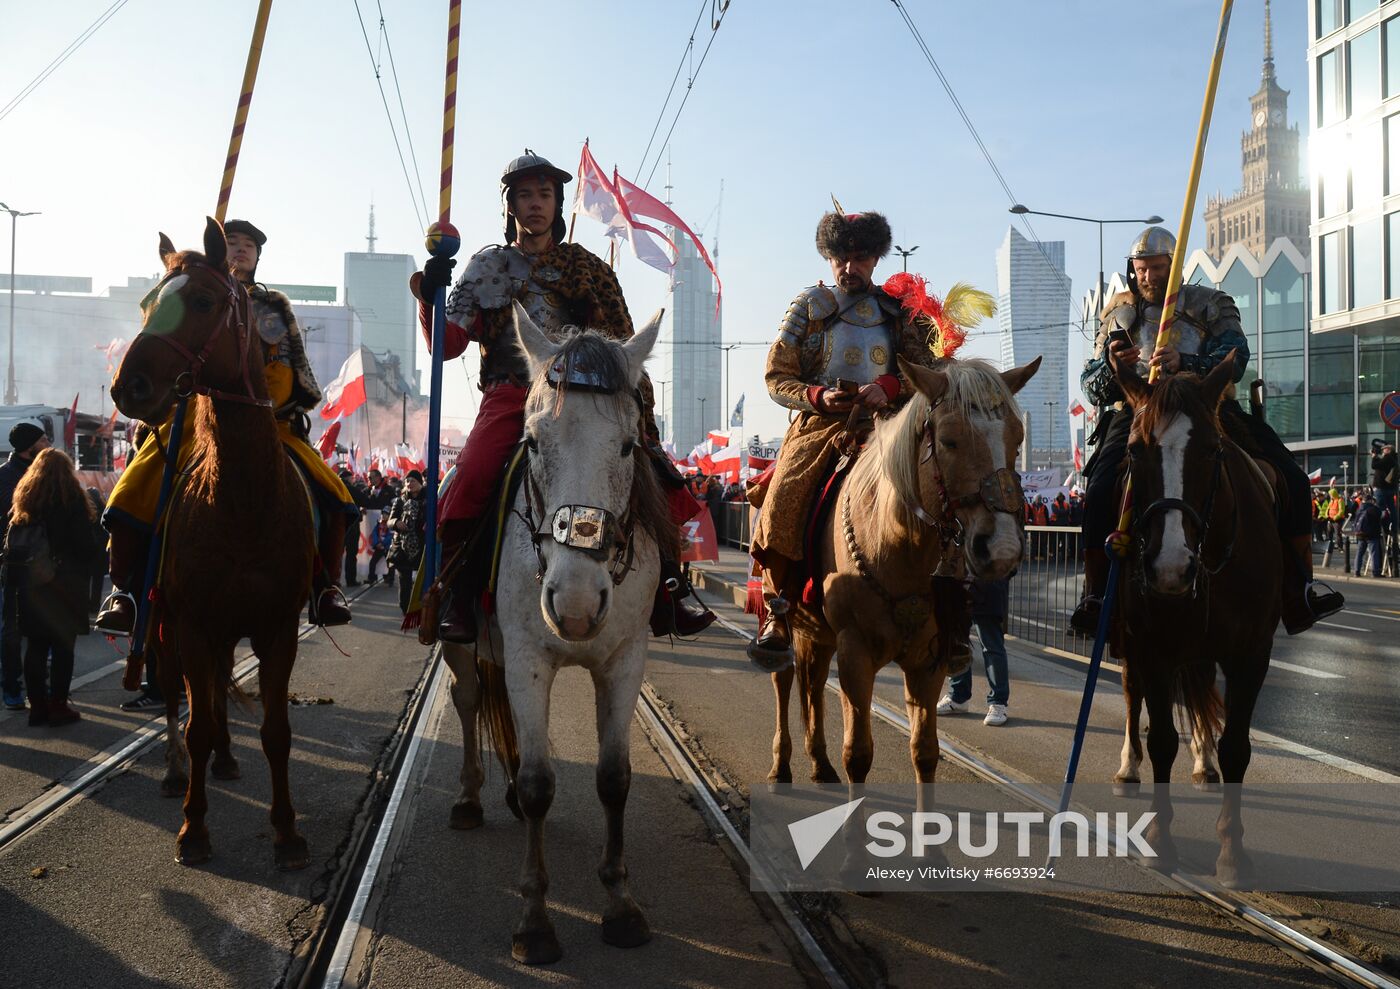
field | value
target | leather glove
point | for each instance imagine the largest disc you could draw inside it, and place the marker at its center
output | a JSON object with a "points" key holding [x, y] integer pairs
{"points": [[437, 273]]}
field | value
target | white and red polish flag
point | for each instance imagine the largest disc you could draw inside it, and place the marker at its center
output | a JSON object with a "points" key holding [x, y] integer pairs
{"points": [[1077, 409], [347, 392], [639, 202], [325, 446], [598, 199], [718, 439], [404, 456], [1078, 459], [1316, 476], [729, 464]]}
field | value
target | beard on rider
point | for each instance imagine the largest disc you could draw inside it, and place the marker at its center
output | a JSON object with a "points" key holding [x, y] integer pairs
{"points": [[853, 271], [1151, 274]]}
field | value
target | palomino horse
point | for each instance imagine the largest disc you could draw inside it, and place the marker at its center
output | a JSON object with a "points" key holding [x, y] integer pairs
{"points": [[579, 563], [239, 537], [935, 479], [1201, 588]]}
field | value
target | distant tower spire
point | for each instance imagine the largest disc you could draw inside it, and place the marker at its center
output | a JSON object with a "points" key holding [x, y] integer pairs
{"points": [[1268, 44], [371, 238]]}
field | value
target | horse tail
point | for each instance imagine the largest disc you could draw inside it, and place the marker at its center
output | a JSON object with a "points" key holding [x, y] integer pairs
{"points": [[1194, 688], [494, 717]]}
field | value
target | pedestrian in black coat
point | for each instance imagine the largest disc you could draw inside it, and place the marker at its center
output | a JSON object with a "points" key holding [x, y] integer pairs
{"points": [[51, 517]]}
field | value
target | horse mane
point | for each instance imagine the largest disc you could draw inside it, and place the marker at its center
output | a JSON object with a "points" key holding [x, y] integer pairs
{"points": [[888, 473], [600, 358], [1174, 395]]}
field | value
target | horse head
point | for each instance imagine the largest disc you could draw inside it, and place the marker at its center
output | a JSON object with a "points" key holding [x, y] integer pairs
{"points": [[1175, 456], [967, 480], [196, 336], [582, 431]]}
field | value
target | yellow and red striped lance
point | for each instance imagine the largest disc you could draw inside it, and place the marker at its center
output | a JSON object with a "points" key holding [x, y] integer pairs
{"points": [[449, 110], [240, 116]]}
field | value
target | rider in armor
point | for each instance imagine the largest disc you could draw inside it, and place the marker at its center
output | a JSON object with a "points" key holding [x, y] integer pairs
{"points": [[559, 284], [834, 355], [1206, 329], [292, 386]]}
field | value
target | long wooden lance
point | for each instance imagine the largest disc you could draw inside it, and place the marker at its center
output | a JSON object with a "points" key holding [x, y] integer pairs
{"points": [[135, 659], [240, 115], [443, 242], [1119, 541]]}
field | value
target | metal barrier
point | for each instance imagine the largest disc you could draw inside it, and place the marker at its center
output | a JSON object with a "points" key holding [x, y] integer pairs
{"points": [[1047, 587], [733, 528]]}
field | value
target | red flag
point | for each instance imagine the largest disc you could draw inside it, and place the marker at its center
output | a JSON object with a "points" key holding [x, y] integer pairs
{"points": [[1078, 459], [760, 464], [70, 428], [718, 440], [326, 445], [706, 464], [1077, 409], [638, 202], [347, 392], [698, 539], [599, 199]]}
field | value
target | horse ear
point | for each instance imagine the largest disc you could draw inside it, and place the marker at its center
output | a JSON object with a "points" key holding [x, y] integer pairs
{"points": [[215, 246], [167, 248], [1136, 390], [930, 383], [1214, 384], [639, 347], [1017, 377], [539, 349]]}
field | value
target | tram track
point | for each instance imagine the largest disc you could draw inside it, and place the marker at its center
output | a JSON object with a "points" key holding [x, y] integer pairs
{"points": [[111, 761], [1249, 912]]}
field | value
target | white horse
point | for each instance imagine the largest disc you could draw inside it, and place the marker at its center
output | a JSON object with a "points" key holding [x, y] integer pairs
{"points": [[579, 565]]}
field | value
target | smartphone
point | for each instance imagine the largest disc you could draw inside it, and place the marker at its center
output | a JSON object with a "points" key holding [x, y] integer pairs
{"points": [[1120, 335], [847, 386]]}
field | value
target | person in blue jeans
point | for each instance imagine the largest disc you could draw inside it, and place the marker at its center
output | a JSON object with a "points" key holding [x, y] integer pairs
{"points": [[989, 612]]}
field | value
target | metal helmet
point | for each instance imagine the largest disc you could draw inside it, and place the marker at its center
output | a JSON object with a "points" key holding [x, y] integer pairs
{"points": [[530, 164], [1153, 242]]}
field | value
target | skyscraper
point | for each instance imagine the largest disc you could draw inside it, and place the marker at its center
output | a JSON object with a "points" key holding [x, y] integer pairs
{"points": [[376, 287], [1033, 303], [693, 393], [1272, 201]]}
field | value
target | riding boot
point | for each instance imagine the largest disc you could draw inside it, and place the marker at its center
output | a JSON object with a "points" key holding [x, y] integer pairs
{"points": [[670, 613], [1085, 619], [328, 606], [1304, 600], [772, 649], [129, 549], [458, 622]]}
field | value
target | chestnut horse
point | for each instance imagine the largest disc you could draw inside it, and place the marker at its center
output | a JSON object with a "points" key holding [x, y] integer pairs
{"points": [[1201, 588], [935, 482], [239, 545]]}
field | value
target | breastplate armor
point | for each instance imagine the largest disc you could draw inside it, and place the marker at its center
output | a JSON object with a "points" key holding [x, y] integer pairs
{"points": [[858, 342], [1189, 338], [549, 311]]}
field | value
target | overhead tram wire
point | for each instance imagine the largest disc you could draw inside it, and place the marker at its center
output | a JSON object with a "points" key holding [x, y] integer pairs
{"points": [[403, 114], [61, 57], [715, 22], [689, 46], [369, 49], [977, 138]]}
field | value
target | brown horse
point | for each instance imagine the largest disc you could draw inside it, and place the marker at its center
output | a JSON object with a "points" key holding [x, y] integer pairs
{"points": [[935, 483], [1201, 588], [239, 545]]}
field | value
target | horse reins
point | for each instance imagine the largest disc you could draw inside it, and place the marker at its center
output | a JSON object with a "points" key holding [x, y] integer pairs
{"points": [[594, 532], [237, 315], [1200, 520]]}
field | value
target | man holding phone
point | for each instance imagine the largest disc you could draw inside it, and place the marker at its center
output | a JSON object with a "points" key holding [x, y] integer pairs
{"points": [[833, 361], [1208, 329]]}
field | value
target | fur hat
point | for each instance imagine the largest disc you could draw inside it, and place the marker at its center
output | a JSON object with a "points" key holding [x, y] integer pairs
{"points": [[843, 234]]}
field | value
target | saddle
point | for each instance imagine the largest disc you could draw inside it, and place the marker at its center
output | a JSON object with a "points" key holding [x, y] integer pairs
{"points": [[822, 507]]}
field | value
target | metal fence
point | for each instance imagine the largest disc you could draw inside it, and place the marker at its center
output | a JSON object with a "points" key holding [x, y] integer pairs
{"points": [[733, 526], [1047, 587]]}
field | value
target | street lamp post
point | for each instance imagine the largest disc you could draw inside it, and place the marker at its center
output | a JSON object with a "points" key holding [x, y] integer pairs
{"points": [[11, 393], [905, 254], [701, 400], [726, 347], [1050, 423], [1020, 210]]}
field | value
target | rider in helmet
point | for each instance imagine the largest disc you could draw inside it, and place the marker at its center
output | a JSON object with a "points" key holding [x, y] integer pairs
{"points": [[292, 386], [1206, 329], [559, 284]]}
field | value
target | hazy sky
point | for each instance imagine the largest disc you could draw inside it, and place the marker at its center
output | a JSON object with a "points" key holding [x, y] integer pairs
{"points": [[1088, 107]]}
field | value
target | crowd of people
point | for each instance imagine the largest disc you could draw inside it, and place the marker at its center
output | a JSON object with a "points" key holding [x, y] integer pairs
{"points": [[1365, 515], [394, 509]]}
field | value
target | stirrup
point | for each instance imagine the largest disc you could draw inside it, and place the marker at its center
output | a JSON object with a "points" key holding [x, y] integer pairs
{"points": [[1085, 620], [1324, 605], [110, 609]]}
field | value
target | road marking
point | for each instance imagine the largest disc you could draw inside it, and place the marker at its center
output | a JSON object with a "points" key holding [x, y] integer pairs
{"points": [[1349, 628], [1367, 614], [1320, 674]]}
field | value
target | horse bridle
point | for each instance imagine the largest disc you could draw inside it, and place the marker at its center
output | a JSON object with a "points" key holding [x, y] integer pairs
{"points": [[1201, 521], [238, 315], [999, 491]]}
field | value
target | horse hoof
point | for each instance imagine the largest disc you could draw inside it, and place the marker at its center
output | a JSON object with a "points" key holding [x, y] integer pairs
{"points": [[627, 931], [174, 786], [1236, 874], [783, 775], [225, 769], [291, 855], [826, 774], [465, 816], [193, 851], [1127, 788], [513, 802], [536, 947], [1206, 782]]}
